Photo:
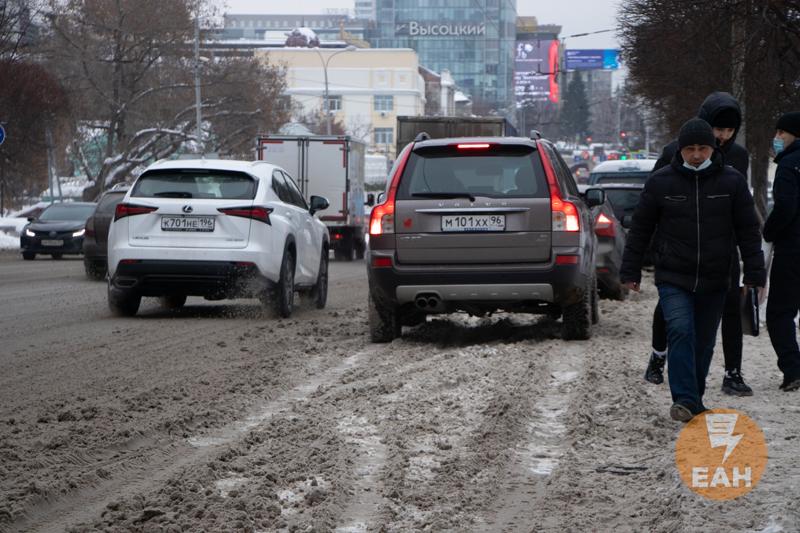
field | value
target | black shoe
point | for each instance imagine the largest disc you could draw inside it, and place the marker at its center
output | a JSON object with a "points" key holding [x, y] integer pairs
{"points": [[655, 369], [790, 384], [734, 385], [680, 412]]}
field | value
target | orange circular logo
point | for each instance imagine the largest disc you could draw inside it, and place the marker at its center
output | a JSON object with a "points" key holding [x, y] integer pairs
{"points": [[721, 454]]}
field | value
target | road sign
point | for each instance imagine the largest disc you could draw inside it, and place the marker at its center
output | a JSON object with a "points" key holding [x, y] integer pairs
{"points": [[2, 135], [592, 59]]}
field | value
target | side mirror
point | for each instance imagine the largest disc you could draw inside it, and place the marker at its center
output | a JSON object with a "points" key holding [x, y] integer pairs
{"points": [[627, 221], [370, 200], [595, 197], [318, 203], [381, 197], [31, 219]]}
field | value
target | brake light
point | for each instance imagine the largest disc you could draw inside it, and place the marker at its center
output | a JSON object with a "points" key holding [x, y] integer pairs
{"points": [[604, 227], [473, 146], [382, 262], [564, 214], [255, 212], [566, 259], [128, 210], [381, 220]]}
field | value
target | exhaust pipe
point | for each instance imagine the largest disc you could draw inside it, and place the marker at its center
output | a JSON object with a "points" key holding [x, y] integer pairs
{"points": [[421, 302], [433, 302]]}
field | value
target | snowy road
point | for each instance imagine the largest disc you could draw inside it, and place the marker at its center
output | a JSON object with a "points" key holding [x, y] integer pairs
{"points": [[219, 417]]}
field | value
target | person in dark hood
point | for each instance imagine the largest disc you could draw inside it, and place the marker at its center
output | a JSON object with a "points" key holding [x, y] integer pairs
{"points": [[694, 211], [722, 111], [782, 228]]}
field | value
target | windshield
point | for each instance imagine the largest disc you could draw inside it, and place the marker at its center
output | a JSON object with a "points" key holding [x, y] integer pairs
{"points": [[499, 172], [63, 212], [618, 177], [213, 184]]}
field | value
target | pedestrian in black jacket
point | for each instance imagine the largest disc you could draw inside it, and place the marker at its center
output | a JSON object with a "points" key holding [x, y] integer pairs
{"points": [[722, 111], [694, 211], [782, 228]]}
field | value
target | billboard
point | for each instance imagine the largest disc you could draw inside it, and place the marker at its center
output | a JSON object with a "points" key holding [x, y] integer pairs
{"points": [[536, 69], [592, 59]]}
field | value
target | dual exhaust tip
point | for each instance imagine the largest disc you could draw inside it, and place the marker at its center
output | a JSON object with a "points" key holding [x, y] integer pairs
{"points": [[427, 302]]}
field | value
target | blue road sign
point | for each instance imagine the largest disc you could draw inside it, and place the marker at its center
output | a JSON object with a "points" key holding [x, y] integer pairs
{"points": [[592, 59], [2, 135]]}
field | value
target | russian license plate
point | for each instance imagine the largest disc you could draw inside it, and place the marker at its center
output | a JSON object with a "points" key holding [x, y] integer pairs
{"points": [[187, 223], [52, 242], [473, 223]]}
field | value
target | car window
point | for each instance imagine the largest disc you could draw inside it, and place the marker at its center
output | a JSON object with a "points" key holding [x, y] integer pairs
{"points": [[192, 183], [618, 177], [503, 171], [294, 192], [280, 187], [67, 212], [109, 201]]}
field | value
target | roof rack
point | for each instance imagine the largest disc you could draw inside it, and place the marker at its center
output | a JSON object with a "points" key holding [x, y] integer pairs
{"points": [[422, 136]]}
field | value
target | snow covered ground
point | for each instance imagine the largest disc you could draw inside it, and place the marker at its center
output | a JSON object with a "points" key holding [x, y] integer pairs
{"points": [[8, 242]]}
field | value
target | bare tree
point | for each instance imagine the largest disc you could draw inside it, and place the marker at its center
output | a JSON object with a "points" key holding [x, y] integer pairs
{"points": [[128, 68]]}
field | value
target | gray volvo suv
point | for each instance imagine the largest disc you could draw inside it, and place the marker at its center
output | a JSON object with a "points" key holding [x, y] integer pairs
{"points": [[481, 225]]}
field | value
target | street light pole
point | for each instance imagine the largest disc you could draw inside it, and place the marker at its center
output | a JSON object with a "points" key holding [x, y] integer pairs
{"points": [[197, 100], [326, 102]]}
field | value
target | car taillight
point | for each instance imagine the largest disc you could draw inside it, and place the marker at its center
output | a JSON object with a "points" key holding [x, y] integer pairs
{"points": [[127, 210], [566, 259], [381, 220], [253, 212], [473, 146], [604, 227], [564, 214]]}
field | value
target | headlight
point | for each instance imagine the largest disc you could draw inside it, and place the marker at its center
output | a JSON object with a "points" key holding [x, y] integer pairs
{"points": [[29, 233], [79, 233]]}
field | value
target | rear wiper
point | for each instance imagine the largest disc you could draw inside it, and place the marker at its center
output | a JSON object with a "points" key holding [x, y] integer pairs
{"points": [[444, 195], [173, 194]]}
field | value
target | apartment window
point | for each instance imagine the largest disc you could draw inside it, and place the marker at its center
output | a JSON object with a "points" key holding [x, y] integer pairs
{"points": [[384, 136], [384, 102], [335, 103]]}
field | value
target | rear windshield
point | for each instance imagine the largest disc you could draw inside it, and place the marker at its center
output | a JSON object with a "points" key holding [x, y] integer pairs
{"points": [[623, 200], [213, 184], [67, 212], [618, 177], [497, 172]]}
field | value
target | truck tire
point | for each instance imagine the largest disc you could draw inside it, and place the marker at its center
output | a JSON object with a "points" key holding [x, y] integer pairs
{"points": [[384, 324], [577, 323]]}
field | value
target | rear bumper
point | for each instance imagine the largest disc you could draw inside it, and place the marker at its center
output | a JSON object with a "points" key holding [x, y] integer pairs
{"points": [[492, 285], [212, 279]]}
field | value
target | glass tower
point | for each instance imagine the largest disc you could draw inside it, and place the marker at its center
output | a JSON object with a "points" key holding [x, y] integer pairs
{"points": [[474, 39]]}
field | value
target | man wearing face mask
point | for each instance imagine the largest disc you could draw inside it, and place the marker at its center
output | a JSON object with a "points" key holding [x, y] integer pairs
{"points": [[722, 111], [694, 210], [782, 228]]}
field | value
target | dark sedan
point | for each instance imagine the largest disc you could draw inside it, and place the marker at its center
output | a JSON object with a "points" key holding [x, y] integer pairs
{"points": [[58, 230], [95, 244], [610, 246]]}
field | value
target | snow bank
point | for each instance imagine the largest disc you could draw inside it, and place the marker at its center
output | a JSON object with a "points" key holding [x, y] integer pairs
{"points": [[8, 242]]}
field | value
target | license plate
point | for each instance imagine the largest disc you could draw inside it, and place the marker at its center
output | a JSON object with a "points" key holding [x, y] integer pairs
{"points": [[187, 223], [474, 223], [52, 242]]}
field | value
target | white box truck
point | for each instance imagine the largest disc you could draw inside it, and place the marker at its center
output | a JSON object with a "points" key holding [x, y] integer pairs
{"points": [[331, 166]]}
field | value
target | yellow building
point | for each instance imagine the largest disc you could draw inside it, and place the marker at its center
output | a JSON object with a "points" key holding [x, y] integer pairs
{"points": [[367, 87]]}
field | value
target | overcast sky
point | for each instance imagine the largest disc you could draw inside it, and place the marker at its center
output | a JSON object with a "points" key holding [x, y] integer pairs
{"points": [[575, 16]]}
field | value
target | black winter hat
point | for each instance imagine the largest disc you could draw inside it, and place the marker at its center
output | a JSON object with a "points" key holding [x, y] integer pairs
{"points": [[696, 131], [726, 118], [790, 122]]}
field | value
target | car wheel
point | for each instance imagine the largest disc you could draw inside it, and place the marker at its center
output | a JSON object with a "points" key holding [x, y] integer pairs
{"points": [[29, 256], [595, 302], [283, 303], [577, 323], [94, 270], [172, 301], [123, 303], [621, 293], [57, 256], [319, 294], [384, 324]]}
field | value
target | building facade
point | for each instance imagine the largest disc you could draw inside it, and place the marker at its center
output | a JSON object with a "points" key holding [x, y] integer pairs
{"points": [[473, 39], [367, 88], [327, 27]]}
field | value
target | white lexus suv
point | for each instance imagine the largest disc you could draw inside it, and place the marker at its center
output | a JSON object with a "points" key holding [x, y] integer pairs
{"points": [[217, 229]]}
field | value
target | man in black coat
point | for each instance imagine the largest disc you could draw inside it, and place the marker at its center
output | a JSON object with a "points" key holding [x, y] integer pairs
{"points": [[782, 228], [722, 111], [694, 211]]}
